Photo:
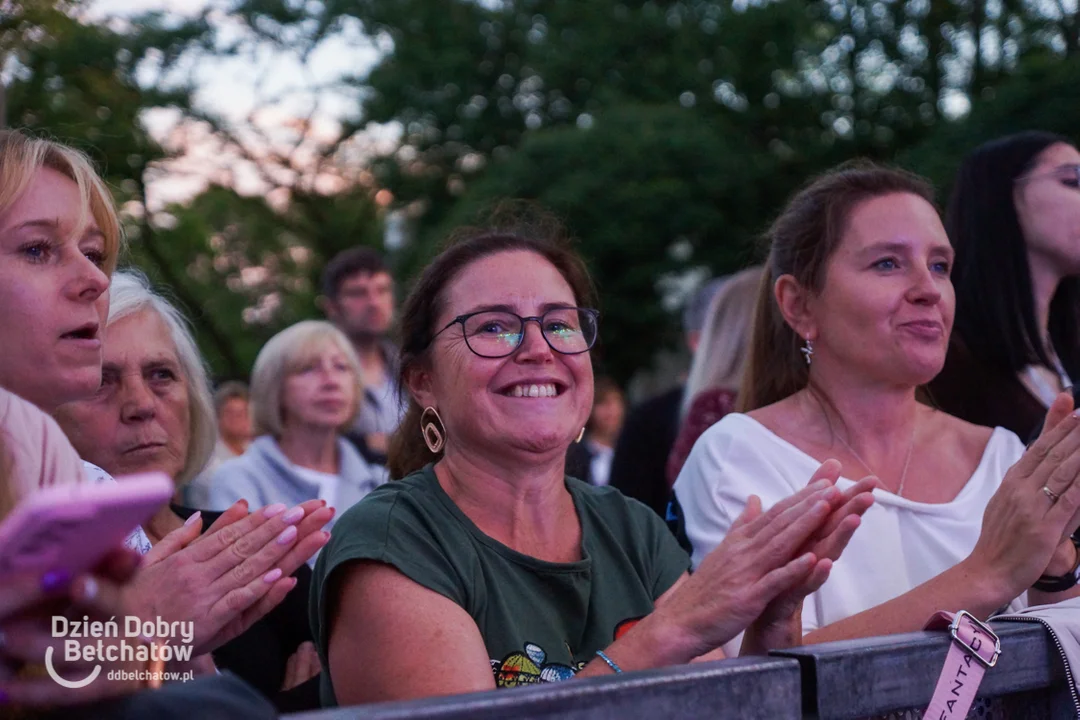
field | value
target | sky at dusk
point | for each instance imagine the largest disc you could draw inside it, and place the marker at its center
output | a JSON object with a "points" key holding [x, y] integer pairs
{"points": [[263, 88]]}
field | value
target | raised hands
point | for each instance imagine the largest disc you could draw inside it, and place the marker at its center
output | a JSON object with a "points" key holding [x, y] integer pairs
{"points": [[778, 556], [780, 624], [233, 575], [1028, 520]]}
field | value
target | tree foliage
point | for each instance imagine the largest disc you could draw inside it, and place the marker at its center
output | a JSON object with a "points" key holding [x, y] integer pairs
{"points": [[241, 268], [666, 132]]}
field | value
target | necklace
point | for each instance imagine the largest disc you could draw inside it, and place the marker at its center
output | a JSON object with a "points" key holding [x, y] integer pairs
{"points": [[907, 460]]}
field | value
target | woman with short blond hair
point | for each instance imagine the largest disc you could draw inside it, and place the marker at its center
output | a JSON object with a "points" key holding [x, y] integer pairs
{"points": [[305, 390], [60, 353], [59, 242]]}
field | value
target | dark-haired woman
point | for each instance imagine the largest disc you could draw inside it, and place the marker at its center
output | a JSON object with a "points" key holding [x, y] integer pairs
{"points": [[485, 566], [853, 317], [1014, 220]]}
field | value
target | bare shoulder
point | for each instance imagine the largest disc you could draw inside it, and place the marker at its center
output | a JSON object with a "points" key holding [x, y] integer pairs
{"points": [[967, 440], [777, 417]]}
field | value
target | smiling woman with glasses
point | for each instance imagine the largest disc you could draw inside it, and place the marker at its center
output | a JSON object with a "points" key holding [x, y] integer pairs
{"points": [[485, 554], [1014, 219]]}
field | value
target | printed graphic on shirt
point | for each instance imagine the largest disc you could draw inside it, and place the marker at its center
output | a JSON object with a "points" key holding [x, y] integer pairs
{"points": [[530, 667], [625, 626]]}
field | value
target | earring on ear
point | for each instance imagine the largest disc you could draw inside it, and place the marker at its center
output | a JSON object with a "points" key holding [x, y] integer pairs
{"points": [[580, 435], [434, 436], [808, 350]]}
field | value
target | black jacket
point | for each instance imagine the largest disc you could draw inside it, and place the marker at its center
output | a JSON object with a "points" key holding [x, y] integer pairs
{"points": [[640, 463]]}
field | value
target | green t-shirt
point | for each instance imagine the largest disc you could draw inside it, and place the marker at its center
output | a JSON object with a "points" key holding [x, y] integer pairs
{"points": [[540, 621]]}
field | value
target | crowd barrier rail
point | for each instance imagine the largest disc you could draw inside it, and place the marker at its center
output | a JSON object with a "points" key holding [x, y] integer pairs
{"points": [[884, 677], [753, 688], [896, 674]]}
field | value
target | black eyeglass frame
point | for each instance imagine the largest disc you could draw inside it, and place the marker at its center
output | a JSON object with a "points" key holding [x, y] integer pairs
{"points": [[595, 314], [1069, 171]]}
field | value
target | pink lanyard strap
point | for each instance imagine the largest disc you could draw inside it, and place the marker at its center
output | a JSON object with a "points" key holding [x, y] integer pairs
{"points": [[974, 649]]}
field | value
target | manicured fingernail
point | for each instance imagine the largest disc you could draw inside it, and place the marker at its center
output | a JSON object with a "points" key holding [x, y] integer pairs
{"points": [[193, 519], [326, 538], [272, 510], [294, 515], [54, 580], [272, 576], [323, 503], [820, 485], [287, 535]]}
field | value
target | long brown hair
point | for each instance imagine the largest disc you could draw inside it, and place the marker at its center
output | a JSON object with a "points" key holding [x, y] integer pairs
{"points": [[507, 230], [801, 241]]}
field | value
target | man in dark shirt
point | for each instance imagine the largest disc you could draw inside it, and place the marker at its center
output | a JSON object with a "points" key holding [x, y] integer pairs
{"points": [[650, 429]]}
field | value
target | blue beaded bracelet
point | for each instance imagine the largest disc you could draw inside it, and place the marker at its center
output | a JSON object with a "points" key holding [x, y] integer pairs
{"points": [[611, 663]]}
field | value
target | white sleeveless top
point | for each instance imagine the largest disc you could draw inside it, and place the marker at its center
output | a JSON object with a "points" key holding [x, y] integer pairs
{"points": [[899, 545]]}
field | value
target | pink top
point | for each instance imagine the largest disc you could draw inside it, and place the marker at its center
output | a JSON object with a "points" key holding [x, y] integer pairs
{"points": [[38, 452]]}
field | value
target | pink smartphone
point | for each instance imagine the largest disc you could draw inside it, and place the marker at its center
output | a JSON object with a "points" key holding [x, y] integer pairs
{"points": [[72, 527]]}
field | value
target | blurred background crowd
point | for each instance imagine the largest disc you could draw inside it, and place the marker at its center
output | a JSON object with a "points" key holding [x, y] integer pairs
{"points": [[285, 168], [248, 141]]}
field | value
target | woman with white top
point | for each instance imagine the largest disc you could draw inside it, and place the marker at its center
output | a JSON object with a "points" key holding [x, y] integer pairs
{"points": [[854, 316], [305, 390]]}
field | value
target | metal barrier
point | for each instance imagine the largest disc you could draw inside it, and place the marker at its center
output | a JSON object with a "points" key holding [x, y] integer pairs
{"points": [[896, 675], [750, 688], [891, 676]]}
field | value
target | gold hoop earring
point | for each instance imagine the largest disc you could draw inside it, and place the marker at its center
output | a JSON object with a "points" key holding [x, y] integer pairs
{"points": [[580, 435], [434, 437]]}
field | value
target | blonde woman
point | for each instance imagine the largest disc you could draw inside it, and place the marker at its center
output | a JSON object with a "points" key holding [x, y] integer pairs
{"points": [[719, 361], [59, 240], [305, 391]]}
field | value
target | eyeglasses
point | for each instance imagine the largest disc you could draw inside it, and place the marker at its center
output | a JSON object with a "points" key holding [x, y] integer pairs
{"points": [[1069, 174], [498, 333]]}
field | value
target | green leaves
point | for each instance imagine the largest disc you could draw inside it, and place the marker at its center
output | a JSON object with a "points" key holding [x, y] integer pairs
{"points": [[667, 133]]}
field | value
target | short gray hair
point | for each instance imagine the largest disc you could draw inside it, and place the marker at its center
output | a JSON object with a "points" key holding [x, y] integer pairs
{"points": [[282, 355], [130, 293]]}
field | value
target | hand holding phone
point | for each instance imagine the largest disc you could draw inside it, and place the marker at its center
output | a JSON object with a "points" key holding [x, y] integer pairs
{"points": [[70, 528]]}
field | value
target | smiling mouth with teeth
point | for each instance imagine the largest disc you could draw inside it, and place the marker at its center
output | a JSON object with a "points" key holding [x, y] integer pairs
{"points": [[546, 390]]}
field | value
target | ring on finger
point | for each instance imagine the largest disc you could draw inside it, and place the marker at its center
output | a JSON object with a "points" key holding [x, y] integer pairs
{"points": [[1054, 497]]}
